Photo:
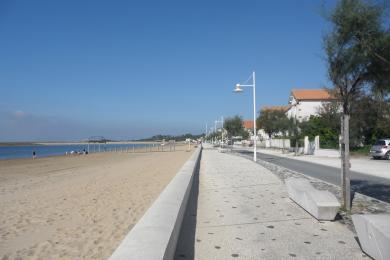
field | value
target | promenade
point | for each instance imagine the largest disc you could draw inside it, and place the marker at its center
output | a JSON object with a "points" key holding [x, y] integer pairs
{"points": [[240, 210]]}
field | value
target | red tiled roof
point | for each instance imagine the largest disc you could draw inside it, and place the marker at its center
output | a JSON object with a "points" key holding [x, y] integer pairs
{"points": [[248, 124], [273, 108], [312, 94]]}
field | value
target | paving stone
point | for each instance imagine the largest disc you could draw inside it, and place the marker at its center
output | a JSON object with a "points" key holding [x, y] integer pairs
{"points": [[259, 220]]}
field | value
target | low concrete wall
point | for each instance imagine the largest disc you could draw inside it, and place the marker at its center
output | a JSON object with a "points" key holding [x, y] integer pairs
{"points": [[156, 233], [274, 143]]}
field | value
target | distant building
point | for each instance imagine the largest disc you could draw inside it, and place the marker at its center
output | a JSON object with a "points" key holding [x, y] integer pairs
{"points": [[302, 104], [248, 125], [306, 102]]}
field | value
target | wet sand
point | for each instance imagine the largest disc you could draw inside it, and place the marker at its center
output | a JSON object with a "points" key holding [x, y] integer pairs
{"points": [[78, 207]]}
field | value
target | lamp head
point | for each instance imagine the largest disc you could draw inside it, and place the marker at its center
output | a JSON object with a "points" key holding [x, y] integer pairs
{"points": [[238, 88]]}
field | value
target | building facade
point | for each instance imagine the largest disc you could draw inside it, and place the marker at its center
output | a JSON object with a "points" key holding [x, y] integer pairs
{"points": [[307, 102], [302, 104]]}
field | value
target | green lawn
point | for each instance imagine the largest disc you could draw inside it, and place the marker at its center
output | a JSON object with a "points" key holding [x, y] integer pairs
{"points": [[361, 150]]}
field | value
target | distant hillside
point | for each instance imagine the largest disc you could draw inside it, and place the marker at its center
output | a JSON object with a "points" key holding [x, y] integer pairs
{"points": [[16, 143], [177, 138]]}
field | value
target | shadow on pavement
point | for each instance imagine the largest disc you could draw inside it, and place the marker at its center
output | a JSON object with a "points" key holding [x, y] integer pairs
{"points": [[186, 243]]}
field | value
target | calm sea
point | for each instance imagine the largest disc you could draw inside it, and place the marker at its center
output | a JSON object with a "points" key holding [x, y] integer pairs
{"points": [[25, 151]]}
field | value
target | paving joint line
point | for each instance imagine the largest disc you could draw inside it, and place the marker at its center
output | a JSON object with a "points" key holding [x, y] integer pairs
{"points": [[238, 187], [257, 222]]}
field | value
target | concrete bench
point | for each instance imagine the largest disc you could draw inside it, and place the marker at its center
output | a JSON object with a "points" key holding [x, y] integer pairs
{"points": [[323, 205], [374, 234]]}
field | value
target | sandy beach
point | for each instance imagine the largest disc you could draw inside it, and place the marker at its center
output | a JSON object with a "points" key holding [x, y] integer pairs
{"points": [[78, 207]]}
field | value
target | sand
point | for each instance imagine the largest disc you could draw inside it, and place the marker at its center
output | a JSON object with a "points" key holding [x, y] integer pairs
{"points": [[78, 207]]}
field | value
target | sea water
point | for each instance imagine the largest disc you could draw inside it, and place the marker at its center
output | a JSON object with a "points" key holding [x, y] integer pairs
{"points": [[25, 151]]}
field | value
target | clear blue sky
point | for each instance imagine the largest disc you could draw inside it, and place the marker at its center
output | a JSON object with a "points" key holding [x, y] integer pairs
{"points": [[132, 69]]}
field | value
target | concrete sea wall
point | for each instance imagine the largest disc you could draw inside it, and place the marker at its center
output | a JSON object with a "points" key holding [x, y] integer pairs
{"points": [[156, 233]]}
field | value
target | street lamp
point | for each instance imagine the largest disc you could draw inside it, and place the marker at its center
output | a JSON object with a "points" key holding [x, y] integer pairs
{"points": [[238, 89], [215, 126]]}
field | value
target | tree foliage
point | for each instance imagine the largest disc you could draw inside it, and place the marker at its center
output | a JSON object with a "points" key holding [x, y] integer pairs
{"points": [[273, 122], [358, 57], [172, 137], [350, 47], [234, 127], [326, 125], [369, 120], [213, 135]]}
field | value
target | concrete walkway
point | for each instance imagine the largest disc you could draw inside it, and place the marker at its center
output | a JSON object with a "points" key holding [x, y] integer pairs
{"points": [[238, 209]]}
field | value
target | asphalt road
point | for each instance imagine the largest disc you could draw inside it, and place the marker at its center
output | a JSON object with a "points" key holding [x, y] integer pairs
{"points": [[372, 186]]}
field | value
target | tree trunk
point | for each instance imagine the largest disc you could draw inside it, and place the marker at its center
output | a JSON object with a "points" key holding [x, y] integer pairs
{"points": [[345, 163]]}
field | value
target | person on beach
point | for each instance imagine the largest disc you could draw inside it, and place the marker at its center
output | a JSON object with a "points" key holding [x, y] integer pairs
{"points": [[34, 154]]}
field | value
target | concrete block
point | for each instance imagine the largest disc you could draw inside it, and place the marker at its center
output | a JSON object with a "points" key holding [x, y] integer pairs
{"points": [[322, 205], [374, 234], [306, 147], [223, 150]]}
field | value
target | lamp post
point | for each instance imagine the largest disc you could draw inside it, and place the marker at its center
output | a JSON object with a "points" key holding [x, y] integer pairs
{"points": [[238, 89], [211, 130], [215, 126], [215, 131], [205, 135], [296, 128], [219, 121]]}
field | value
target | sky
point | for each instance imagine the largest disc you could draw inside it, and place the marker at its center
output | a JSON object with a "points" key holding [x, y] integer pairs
{"points": [[133, 69]]}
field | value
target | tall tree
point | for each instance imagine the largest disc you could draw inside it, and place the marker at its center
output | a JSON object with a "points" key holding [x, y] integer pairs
{"points": [[356, 59], [272, 121], [234, 127]]}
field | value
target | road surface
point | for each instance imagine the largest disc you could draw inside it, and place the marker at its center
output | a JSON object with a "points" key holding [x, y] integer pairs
{"points": [[369, 185]]}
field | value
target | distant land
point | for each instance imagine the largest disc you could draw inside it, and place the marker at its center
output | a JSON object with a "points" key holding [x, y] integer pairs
{"points": [[177, 138], [17, 143], [154, 138]]}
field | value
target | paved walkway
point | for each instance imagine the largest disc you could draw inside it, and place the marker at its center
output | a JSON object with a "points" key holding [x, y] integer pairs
{"points": [[240, 210]]}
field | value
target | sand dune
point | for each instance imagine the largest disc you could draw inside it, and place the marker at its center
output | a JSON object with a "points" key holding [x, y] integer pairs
{"points": [[78, 207]]}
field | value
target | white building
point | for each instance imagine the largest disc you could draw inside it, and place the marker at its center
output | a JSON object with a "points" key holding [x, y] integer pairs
{"points": [[306, 102], [303, 103]]}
